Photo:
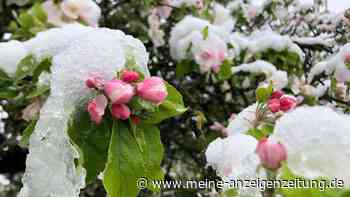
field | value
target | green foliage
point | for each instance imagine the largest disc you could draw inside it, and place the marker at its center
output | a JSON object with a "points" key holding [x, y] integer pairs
{"points": [[91, 140], [283, 60], [263, 94], [24, 82], [225, 70], [260, 133], [205, 32], [185, 67], [27, 133], [29, 23]]}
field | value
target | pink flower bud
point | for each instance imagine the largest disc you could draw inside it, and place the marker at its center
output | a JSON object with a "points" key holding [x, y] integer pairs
{"points": [[96, 108], [277, 94], [94, 81], [129, 76], [118, 91], [120, 111], [271, 154], [152, 89], [207, 55], [347, 58], [288, 102], [274, 105]]}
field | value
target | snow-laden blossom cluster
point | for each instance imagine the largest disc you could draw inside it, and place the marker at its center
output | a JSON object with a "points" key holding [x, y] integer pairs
{"points": [[293, 139], [202, 41], [108, 51], [72, 11]]}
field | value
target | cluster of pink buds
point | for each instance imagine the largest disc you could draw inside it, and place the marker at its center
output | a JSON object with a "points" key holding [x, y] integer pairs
{"points": [[120, 91], [281, 102], [271, 154]]}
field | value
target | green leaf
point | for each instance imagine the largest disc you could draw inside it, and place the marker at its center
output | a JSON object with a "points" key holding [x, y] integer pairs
{"points": [[263, 94], [27, 133], [205, 32], [348, 65], [225, 70], [25, 67], [8, 93], [172, 106], [26, 20], [134, 152], [92, 141], [152, 151], [4, 76], [39, 91], [184, 67], [125, 163], [138, 104], [39, 12]]}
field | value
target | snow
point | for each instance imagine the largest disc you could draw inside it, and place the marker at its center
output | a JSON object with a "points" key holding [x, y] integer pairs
{"points": [[43, 44], [243, 121], [11, 54], [267, 39], [322, 39], [234, 157], [317, 141], [278, 78], [50, 168], [335, 64]]}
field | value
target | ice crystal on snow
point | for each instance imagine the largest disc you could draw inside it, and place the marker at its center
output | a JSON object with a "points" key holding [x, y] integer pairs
{"points": [[50, 164], [317, 141]]}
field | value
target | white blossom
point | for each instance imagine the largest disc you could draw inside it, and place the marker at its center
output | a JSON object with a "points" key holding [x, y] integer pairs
{"points": [[86, 10], [154, 32], [71, 11]]}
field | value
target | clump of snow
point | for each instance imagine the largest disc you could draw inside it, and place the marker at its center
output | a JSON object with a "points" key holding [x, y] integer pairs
{"points": [[50, 164], [243, 121], [11, 54], [322, 39], [317, 141], [334, 64], [187, 40], [234, 157], [267, 39], [278, 78], [43, 44]]}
